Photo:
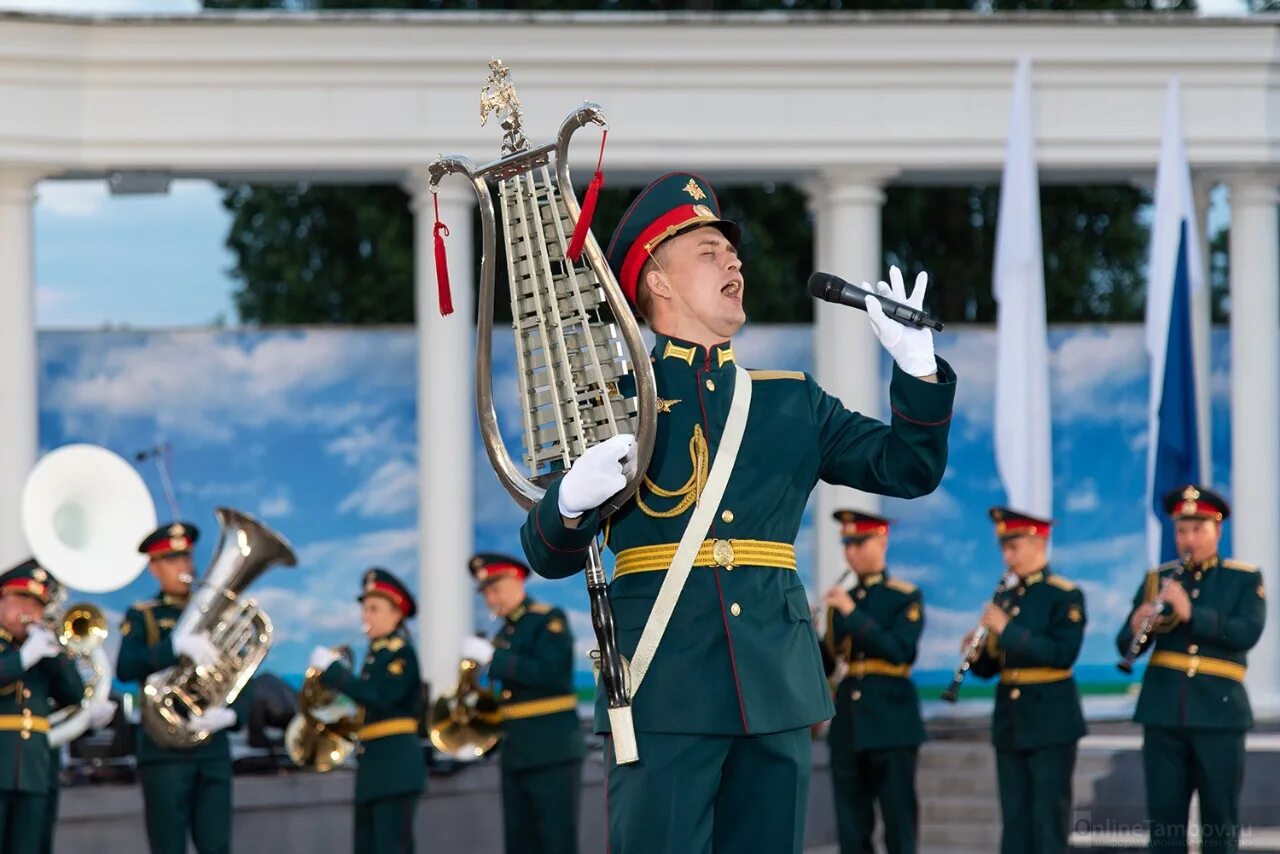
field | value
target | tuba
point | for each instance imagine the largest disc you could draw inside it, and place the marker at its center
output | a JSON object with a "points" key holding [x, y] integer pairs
{"points": [[583, 369], [175, 697], [323, 732], [468, 723], [84, 510]]}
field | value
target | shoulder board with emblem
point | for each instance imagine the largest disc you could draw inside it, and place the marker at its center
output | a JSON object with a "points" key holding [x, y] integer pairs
{"points": [[777, 375], [900, 585], [1239, 565], [145, 605], [1061, 583], [539, 608]]}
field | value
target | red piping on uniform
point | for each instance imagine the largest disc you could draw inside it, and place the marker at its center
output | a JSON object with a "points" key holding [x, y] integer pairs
{"points": [[537, 521], [733, 662], [906, 417]]}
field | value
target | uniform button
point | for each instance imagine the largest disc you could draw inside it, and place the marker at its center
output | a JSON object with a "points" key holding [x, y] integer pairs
{"points": [[1195, 594], [861, 594], [1198, 575], [506, 695], [1016, 611], [1015, 693], [25, 735], [735, 609], [26, 692], [857, 695], [726, 516], [711, 385], [1193, 649]]}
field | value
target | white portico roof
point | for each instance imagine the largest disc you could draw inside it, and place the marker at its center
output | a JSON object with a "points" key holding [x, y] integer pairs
{"points": [[924, 96]]}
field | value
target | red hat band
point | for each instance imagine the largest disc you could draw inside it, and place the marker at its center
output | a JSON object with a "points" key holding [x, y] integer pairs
{"points": [[1021, 527], [496, 570], [662, 228], [1191, 508], [26, 585], [390, 592]]}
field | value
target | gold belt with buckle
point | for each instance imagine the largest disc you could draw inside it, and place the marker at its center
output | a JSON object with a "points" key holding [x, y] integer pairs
{"points": [[25, 723], [1034, 675], [722, 553], [1193, 664]]}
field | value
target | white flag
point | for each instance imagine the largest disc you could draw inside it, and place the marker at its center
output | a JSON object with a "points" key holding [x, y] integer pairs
{"points": [[1024, 453]]}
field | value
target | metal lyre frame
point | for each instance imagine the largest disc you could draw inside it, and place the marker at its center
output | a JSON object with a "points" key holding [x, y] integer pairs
{"points": [[573, 376]]}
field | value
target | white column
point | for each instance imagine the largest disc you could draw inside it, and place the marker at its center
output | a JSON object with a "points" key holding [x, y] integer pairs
{"points": [[18, 435], [846, 206], [1255, 412], [446, 419]]}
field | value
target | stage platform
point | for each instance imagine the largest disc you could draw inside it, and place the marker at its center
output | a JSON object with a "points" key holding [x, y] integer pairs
{"points": [[306, 812]]}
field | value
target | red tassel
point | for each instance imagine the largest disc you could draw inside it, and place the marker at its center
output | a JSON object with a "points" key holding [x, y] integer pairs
{"points": [[441, 231], [579, 240]]}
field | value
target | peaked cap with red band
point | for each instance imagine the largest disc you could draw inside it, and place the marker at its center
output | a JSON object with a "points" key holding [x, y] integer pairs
{"points": [[29, 579], [675, 203], [378, 582], [1011, 523], [1196, 502], [174, 538], [488, 567], [856, 526]]}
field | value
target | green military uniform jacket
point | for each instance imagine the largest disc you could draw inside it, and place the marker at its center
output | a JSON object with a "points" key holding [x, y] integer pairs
{"points": [[389, 690], [877, 707], [1037, 703], [1203, 688], [145, 648], [25, 700], [740, 654], [533, 661]]}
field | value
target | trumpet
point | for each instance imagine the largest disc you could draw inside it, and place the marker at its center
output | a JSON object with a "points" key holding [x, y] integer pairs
{"points": [[323, 733], [1140, 637], [977, 640]]}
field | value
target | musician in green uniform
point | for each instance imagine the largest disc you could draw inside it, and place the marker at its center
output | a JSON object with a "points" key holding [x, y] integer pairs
{"points": [[392, 774], [542, 748], [185, 791], [1034, 635], [35, 674], [1194, 708], [873, 629], [722, 717], [98, 711]]}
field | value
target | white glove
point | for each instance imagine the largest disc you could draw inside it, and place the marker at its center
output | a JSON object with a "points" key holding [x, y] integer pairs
{"points": [[198, 648], [101, 712], [215, 719], [911, 348], [40, 644], [478, 650], [322, 657], [597, 475]]}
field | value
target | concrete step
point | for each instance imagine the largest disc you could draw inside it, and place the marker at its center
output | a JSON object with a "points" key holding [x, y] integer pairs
{"points": [[953, 836], [959, 810]]}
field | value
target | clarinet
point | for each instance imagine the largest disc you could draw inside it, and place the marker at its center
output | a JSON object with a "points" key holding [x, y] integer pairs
{"points": [[974, 647], [1140, 637]]}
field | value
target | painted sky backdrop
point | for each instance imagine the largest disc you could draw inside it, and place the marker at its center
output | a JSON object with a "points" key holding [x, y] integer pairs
{"points": [[314, 432]]}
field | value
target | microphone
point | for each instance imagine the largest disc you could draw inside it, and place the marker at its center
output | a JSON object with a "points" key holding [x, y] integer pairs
{"points": [[825, 286]]}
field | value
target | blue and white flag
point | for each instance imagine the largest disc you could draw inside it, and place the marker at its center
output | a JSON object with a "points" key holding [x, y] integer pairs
{"points": [[1176, 274]]}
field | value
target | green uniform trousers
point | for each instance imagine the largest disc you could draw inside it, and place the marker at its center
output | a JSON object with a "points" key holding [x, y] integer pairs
{"points": [[540, 808], [22, 822], [694, 794], [1035, 798], [385, 825], [50, 821], [187, 797], [862, 777], [1178, 761]]}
